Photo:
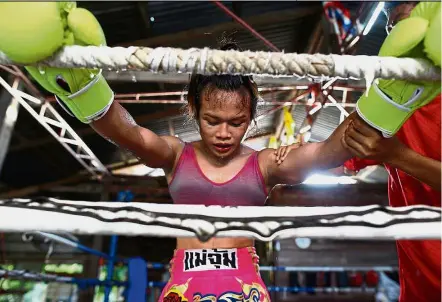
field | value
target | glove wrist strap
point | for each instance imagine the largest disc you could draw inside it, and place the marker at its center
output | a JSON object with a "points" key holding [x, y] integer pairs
{"points": [[91, 102], [381, 112]]}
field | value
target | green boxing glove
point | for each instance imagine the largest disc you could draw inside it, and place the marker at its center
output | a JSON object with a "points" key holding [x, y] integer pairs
{"points": [[390, 103], [33, 31]]}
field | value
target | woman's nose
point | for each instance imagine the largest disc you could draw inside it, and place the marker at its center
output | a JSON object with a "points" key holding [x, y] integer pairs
{"points": [[223, 131]]}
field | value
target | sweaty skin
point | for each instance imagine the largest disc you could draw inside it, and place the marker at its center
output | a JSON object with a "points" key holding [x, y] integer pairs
{"points": [[365, 142], [220, 154]]}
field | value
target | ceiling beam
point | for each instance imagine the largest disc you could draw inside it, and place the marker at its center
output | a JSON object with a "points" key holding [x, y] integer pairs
{"points": [[201, 32], [41, 187]]}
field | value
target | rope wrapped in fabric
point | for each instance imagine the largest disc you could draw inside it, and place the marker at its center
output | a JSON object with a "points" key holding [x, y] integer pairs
{"points": [[204, 222], [212, 61]]}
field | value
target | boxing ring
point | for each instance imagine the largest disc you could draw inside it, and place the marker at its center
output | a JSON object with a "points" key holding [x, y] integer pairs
{"points": [[138, 286], [49, 216]]}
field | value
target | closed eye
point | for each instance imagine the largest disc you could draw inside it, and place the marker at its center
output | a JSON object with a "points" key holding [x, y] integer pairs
{"points": [[212, 123], [236, 124]]}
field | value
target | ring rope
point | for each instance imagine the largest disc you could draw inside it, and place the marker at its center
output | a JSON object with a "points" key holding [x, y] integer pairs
{"points": [[296, 289], [204, 222], [85, 283], [266, 268], [212, 61]]}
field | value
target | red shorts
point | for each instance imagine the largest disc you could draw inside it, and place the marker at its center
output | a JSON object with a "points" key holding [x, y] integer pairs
{"points": [[215, 275]]}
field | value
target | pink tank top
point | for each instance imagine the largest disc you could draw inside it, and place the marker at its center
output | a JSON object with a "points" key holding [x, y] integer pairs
{"points": [[189, 185]]}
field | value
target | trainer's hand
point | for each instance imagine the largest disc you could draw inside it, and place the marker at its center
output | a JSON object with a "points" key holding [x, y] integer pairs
{"points": [[282, 152], [363, 141]]}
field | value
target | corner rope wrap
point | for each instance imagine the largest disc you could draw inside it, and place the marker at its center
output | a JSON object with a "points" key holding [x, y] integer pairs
{"points": [[204, 222], [211, 61]]}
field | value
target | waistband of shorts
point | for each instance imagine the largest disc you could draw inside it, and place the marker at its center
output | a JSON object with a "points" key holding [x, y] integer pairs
{"points": [[200, 262]]}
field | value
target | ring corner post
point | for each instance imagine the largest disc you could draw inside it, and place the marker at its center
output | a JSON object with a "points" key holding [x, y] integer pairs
{"points": [[123, 196]]}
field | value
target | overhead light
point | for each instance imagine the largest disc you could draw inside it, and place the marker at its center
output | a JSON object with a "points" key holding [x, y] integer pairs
{"points": [[307, 137], [305, 129], [139, 170], [322, 179], [373, 18], [353, 42]]}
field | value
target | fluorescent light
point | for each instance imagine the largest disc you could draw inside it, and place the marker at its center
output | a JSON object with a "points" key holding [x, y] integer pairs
{"points": [[373, 18], [354, 42], [307, 136], [139, 170], [305, 129], [321, 179], [156, 173]]}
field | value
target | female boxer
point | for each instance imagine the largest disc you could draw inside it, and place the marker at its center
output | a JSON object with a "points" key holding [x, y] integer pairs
{"points": [[216, 170]]}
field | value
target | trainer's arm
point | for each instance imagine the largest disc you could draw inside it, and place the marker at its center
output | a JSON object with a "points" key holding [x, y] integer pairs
{"points": [[306, 159], [118, 126], [424, 169]]}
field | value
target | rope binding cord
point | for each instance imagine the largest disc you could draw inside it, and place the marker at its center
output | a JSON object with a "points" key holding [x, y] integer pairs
{"points": [[204, 222], [211, 61]]}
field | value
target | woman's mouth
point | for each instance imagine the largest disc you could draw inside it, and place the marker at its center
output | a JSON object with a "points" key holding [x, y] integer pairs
{"points": [[222, 148]]}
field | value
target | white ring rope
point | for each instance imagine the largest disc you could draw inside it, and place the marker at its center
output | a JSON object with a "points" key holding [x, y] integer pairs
{"points": [[211, 61], [263, 223]]}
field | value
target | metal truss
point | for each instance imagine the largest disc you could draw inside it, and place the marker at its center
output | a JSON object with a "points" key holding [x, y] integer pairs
{"points": [[346, 43], [52, 121]]}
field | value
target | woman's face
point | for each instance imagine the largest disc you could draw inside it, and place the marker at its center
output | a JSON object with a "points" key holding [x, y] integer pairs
{"points": [[223, 119]]}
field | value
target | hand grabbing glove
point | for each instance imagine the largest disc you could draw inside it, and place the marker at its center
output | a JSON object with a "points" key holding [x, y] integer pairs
{"points": [[364, 142], [33, 31]]}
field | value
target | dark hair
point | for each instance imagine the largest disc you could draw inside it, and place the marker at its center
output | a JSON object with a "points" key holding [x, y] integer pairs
{"points": [[225, 82]]}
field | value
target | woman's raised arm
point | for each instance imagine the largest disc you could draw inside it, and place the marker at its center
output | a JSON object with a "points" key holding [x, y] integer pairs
{"points": [[118, 126]]}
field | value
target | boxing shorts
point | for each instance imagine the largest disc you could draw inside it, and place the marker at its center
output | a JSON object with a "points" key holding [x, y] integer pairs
{"points": [[215, 275]]}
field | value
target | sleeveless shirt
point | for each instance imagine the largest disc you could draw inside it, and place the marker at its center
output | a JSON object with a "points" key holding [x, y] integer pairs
{"points": [[189, 185]]}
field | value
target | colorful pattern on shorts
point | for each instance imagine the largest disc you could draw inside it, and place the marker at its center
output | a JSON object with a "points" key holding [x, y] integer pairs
{"points": [[224, 275]]}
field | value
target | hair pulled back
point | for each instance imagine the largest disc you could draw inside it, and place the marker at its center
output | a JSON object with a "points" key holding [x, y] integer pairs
{"points": [[225, 82]]}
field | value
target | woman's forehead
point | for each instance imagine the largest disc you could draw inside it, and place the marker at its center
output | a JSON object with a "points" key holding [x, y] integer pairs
{"points": [[216, 98], [229, 107]]}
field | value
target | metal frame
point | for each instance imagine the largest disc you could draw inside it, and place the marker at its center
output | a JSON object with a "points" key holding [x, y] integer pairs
{"points": [[52, 121], [325, 92], [8, 123], [49, 118]]}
